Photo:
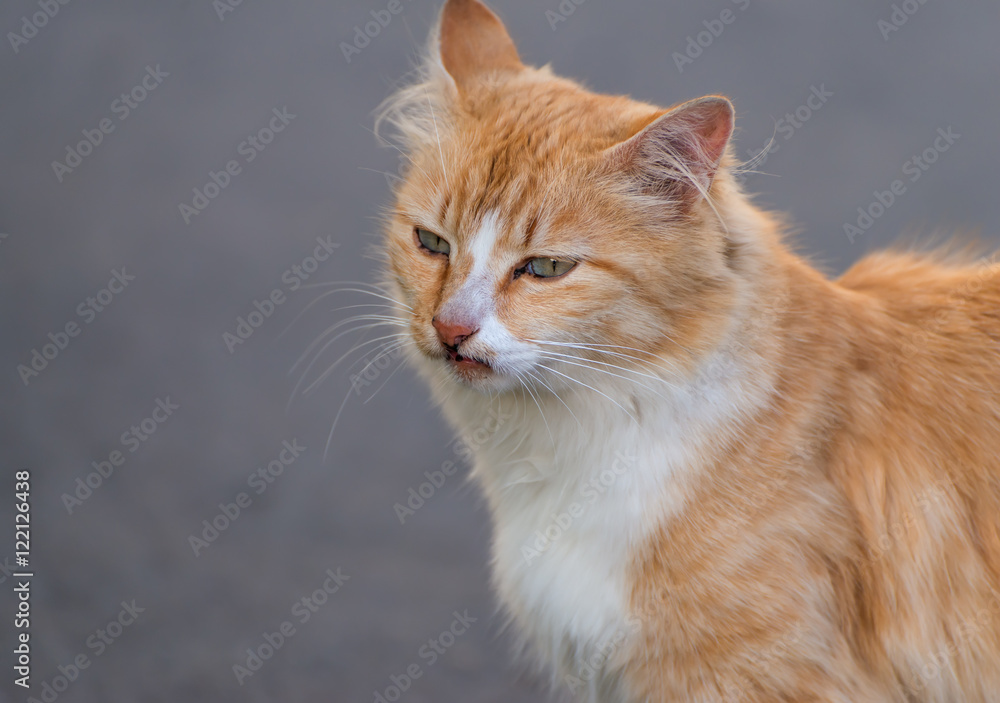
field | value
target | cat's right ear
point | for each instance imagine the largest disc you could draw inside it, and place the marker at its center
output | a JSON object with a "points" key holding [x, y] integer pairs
{"points": [[474, 43]]}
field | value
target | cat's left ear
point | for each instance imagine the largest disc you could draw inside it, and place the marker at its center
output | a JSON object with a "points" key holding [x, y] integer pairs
{"points": [[680, 152], [474, 43]]}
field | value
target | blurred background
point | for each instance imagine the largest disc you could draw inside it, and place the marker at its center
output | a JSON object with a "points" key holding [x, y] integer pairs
{"points": [[143, 407]]}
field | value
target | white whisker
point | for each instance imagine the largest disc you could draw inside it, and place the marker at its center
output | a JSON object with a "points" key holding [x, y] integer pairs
{"points": [[578, 381], [330, 369], [333, 292], [557, 355], [376, 320], [537, 403], [319, 354], [393, 373], [551, 390]]}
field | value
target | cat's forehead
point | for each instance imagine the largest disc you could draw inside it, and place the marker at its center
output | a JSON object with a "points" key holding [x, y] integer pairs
{"points": [[514, 156], [538, 125]]}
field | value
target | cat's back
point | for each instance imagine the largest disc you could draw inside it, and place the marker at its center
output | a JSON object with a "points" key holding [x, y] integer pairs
{"points": [[925, 332], [919, 384], [921, 288]]}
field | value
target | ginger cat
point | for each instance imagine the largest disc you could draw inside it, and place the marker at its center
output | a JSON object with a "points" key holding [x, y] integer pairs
{"points": [[720, 476]]}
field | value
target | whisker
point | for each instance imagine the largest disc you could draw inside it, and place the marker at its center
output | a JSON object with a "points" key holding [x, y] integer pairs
{"points": [[324, 284], [336, 419], [588, 345], [575, 380], [334, 292], [330, 369], [604, 363], [653, 365], [539, 405], [608, 373], [389, 348], [319, 354], [598, 348], [389, 377], [375, 170], [643, 363], [551, 390], [377, 321], [378, 292], [343, 404]]}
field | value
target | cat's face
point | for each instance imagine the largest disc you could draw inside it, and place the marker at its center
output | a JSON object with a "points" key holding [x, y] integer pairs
{"points": [[543, 234]]}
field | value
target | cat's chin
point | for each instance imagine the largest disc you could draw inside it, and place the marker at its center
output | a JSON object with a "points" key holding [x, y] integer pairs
{"points": [[473, 374], [470, 368]]}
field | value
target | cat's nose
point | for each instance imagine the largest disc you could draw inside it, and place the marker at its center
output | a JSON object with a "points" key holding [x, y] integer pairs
{"points": [[452, 334]]}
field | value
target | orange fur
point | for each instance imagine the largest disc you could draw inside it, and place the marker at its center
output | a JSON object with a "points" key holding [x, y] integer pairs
{"points": [[840, 541], [861, 506]]}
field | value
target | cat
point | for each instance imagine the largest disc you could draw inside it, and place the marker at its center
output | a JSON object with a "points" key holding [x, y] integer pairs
{"points": [[720, 475]]}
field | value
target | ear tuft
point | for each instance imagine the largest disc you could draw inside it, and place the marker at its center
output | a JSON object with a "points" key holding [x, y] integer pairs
{"points": [[681, 150], [474, 42]]}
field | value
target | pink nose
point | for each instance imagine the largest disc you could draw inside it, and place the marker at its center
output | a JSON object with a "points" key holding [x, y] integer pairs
{"points": [[452, 334]]}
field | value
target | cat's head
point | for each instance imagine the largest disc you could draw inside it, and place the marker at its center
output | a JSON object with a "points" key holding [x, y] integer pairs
{"points": [[542, 233]]}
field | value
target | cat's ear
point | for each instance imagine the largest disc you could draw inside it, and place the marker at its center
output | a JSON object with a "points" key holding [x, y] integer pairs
{"points": [[680, 152], [474, 43]]}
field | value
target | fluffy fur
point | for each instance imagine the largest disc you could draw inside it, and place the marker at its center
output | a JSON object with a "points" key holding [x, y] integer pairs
{"points": [[719, 476]]}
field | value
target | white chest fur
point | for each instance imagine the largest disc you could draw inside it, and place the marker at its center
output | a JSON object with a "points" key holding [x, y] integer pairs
{"points": [[571, 491], [576, 484]]}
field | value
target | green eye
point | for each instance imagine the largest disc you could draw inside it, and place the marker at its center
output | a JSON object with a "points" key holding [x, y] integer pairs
{"points": [[549, 268], [432, 242]]}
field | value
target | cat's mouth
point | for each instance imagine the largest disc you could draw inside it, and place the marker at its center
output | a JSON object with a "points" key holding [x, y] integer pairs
{"points": [[467, 366]]}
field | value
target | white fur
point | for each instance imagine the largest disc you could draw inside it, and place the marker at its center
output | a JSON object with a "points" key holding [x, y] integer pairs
{"points": [[482, 245], [474, 303], [476, 293], [571, 598]]}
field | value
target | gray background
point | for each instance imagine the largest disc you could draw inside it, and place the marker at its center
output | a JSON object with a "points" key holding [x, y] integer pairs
{"points": [[321, 176]]}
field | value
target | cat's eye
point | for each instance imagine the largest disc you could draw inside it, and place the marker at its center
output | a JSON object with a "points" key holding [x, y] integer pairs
{"points": [[545, 267], [433, 243]]}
